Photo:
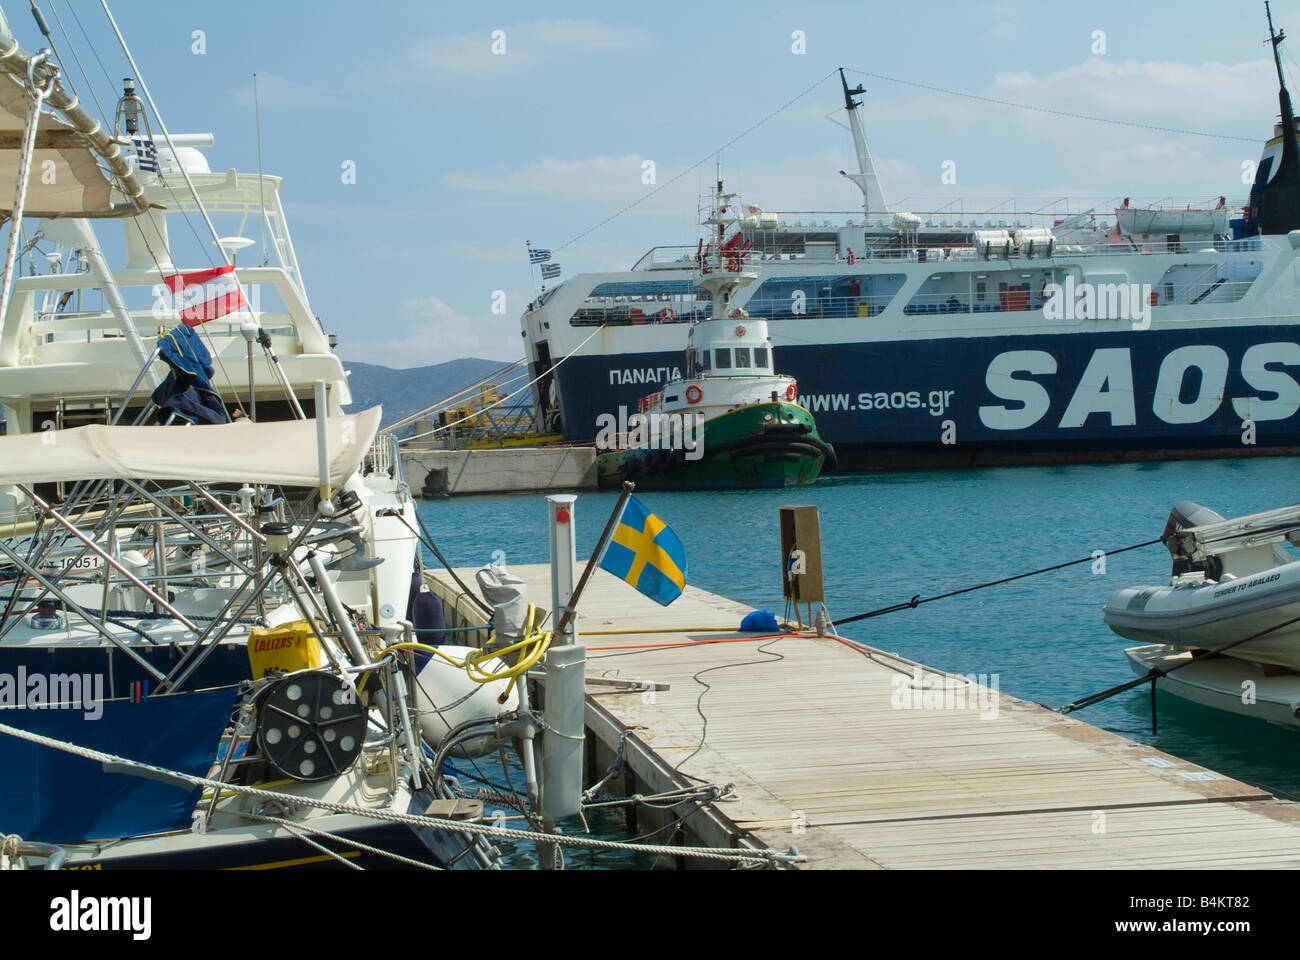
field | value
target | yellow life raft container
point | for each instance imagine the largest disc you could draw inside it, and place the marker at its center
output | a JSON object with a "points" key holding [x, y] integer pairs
{"points": [[289, 647]]}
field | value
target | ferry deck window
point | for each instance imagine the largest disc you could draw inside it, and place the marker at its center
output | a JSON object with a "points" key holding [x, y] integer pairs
{"points": [[742, 357], [704, 359], [760, 358], [722, 359]]}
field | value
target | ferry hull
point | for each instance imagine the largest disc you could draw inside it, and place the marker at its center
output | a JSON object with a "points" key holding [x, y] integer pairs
{"points": [[763, 445], [961, 401]]}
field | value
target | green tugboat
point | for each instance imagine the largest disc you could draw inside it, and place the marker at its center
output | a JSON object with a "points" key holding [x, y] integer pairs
{"points": [[730, 422]]}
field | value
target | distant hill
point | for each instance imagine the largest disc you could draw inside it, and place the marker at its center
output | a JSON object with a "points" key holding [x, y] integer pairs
{"points": [[403, 392]]}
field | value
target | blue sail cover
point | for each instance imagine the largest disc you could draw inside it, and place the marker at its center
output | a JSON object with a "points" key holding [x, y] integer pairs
{"points": [[51, 796], [187, 392]]}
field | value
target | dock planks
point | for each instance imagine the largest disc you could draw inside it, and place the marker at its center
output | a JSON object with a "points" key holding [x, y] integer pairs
{"points": [[822, 759]]}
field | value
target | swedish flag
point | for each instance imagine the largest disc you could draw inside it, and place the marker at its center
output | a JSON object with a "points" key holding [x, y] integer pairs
{"points": [[645, 552]]}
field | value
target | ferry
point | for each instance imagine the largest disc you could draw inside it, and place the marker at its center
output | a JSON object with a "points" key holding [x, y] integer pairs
{"points": [[1110, 334]]}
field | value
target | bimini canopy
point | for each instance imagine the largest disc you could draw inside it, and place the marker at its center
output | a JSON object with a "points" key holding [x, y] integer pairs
{"points": [[66, 177], [282, 453]]}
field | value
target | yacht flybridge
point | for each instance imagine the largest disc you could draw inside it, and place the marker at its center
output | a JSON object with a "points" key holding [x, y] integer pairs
{"points": [[79, 340], [156, 581]]}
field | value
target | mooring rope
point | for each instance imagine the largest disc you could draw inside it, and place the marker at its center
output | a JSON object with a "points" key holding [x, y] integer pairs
{"points": [[917, 600], [426, 538], [1155, 673], [729, 854], [37, 93]]}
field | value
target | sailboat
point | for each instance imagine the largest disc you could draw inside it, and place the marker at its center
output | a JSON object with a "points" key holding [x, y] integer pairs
{"points": [[147, 571]]}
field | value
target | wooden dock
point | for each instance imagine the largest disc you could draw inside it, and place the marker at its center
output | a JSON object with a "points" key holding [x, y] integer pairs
{"points": [[830, 750]]}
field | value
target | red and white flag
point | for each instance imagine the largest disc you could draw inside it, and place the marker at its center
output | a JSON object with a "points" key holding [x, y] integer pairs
{"points": [[205, 294]]}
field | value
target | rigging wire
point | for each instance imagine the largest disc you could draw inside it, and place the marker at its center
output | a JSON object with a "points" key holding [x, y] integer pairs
{"points": [[917, 600], [427, 539], [135, 221], [144, 88], [910, 83], [1048, 110], [699, 163], [437, 404], [93, 49], [490, 406]]}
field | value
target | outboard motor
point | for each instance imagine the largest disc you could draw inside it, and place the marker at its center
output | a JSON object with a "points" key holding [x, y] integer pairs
{"points": [[508, 597], [1183, 516]]}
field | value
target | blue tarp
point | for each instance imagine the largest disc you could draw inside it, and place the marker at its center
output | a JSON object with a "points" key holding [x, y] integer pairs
{"points": [[55, 797], [764, 620], [187, 392]]}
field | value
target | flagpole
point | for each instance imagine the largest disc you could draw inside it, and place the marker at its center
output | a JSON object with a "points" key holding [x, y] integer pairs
{"points": [[594, 559], [532, 274]]}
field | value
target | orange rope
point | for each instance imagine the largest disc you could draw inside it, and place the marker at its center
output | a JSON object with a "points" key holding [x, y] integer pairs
{"points": [[699, 643]]}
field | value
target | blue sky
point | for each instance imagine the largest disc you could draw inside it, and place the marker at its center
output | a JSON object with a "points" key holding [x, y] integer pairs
{"points": [[462, 154]]}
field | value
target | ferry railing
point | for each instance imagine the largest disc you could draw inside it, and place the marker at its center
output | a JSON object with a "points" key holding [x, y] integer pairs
{"points": [[684, 257], [1209, 287], [783, 308]]}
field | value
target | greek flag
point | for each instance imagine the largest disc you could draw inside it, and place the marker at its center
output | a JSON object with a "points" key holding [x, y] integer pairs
{"points": [[646, 553], [550, 271], [538, 256], [146, 155]]}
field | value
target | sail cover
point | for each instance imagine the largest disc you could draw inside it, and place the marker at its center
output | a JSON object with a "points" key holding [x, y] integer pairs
{"points": [[281, 453], [65, 179]]}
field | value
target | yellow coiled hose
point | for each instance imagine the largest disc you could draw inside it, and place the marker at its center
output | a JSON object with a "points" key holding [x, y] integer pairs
{"points": [[530, 650]]}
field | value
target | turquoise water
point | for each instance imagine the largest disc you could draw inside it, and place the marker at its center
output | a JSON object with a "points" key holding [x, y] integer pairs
{"points": [[887, 537]]}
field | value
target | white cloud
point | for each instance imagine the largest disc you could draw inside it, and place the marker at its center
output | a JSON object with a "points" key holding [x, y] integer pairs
{"points": [[527, 45], [1210, 97]]}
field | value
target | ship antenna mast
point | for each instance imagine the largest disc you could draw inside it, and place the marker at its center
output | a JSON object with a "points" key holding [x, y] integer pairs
{"points": [[1274, 205], [873, 198], [1275, 39]]}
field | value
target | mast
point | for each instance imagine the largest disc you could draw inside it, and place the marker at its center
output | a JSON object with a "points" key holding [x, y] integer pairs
{"points": [[1275, 202], [722, 264], [873, 198]]}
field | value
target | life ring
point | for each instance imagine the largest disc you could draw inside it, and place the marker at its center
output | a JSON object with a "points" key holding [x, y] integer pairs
{"points": [[667, 315], [694, 394], [791, 392]]}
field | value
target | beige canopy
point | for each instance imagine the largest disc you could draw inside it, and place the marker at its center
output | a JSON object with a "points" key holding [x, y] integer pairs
{"points": [[281, 453], [65, 177]]}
